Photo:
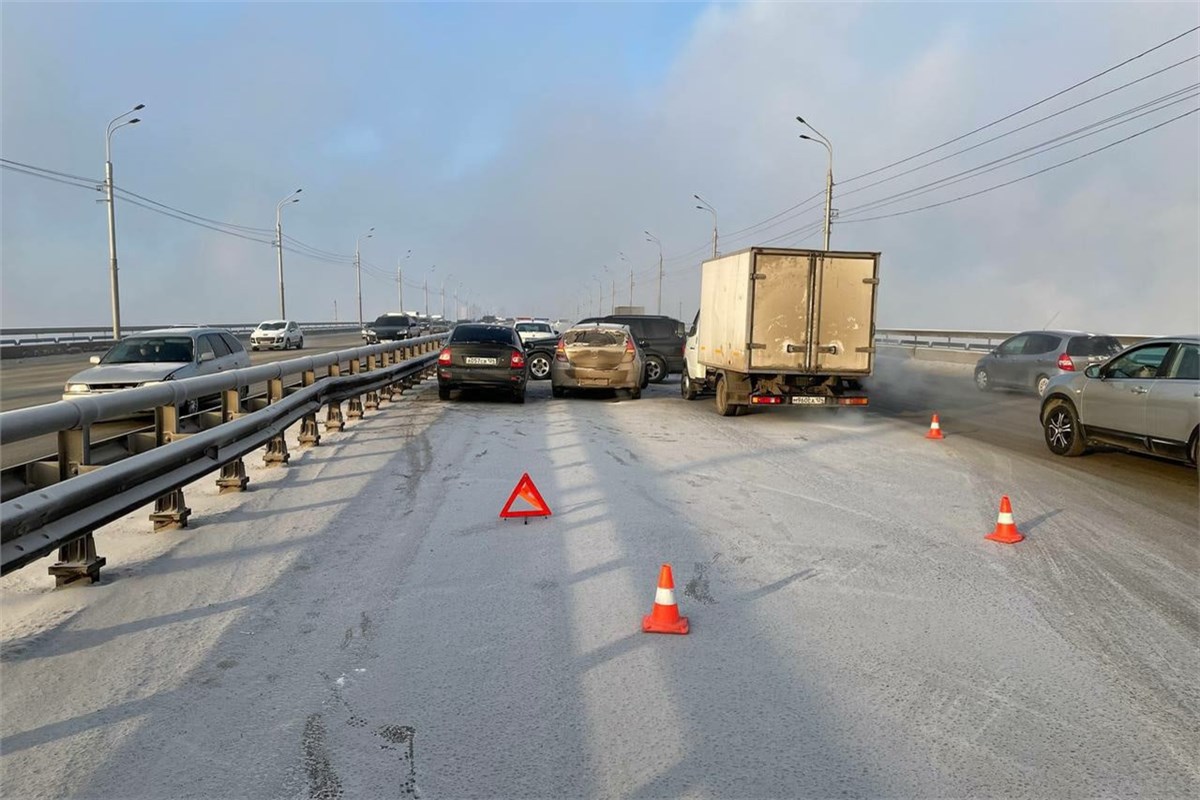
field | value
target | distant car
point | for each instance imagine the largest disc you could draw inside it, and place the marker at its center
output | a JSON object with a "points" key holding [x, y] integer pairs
{"points": [[1029, 360], [1147, 399], [157, 356], [599, 355], [391, 327], [661, 338], [533, 330], [482, 356], [277, 334]]}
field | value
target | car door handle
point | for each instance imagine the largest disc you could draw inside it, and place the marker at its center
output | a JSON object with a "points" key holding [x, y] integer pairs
{"points": [[1139, 390]]}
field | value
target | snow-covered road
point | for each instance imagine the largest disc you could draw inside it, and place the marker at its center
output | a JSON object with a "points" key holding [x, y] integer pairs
{"points": [[362, 624]]}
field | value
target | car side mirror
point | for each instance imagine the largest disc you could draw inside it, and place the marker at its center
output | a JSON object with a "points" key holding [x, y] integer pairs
{"points": [[644, 342], [206, 357], [1092, 371], [94, 360]]}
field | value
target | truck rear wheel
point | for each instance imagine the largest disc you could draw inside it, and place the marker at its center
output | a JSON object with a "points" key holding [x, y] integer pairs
{"points": [[724, 407]]}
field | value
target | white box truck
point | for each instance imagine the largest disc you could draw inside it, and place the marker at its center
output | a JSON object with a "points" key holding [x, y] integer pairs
{"points": [[783, 327]]}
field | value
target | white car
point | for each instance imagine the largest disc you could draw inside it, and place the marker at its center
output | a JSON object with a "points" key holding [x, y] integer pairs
{"points": [[277, 334], [533, 330]]}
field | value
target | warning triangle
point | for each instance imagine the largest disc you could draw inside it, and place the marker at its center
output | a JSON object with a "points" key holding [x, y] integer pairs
{"points": [[532, 498]]}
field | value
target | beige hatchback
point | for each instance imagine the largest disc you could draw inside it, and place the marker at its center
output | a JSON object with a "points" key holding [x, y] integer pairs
{"points": [[598, 356]]}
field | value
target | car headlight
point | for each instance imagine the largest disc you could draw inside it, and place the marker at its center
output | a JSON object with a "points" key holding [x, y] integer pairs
{"points": [[149, 383], [78, 388]]}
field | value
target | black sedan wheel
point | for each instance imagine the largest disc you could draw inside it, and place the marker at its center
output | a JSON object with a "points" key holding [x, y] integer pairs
{"points": [[656, 370], [1064, 434], [539, 366]]}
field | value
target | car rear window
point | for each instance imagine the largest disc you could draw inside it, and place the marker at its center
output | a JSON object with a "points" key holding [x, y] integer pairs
{"points": [[392, 320], [1093, 346], [482, 334], [595, 337]]}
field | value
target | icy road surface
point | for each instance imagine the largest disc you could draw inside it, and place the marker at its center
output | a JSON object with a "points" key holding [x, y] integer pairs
{"points": [[361, 624]]}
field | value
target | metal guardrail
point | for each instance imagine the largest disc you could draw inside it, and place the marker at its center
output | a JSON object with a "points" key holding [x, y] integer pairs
{"points": [[12, 337], [61, 502], [962, 340]]}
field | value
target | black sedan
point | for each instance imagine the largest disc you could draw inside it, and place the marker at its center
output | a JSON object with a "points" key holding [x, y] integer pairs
{"points": [[482, 356]]}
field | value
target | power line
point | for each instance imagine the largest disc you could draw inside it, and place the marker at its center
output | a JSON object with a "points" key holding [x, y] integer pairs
{"points": [[1028, 176], [43, 176], [86, 180], [235, 226], [1059, 93]]}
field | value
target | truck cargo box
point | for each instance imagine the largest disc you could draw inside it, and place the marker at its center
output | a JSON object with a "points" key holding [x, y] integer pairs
{"points": [[774, 310]]}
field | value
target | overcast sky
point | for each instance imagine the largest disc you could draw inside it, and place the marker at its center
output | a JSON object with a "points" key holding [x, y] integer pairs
{"points": [[518, 150]]}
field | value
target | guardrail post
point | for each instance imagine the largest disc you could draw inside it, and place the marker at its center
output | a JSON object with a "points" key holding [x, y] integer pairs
{"points": [[77, 560], [386, 359], [372, 401], [74, 451], [310, 435], [170, 510], [333, 413], [277, 452], [233, 476], [354, 409]]}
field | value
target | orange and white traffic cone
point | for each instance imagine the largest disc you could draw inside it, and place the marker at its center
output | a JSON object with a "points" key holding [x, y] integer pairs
{"points": [[1006, 530], [935, 429], [664, 618]]}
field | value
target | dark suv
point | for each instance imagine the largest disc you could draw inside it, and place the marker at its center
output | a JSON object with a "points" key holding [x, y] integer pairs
{"points": [[391, 327], [661, 338]]}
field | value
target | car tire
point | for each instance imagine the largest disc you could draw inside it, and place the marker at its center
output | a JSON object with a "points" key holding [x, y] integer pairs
{"points": [[635, 393], [1064, 434], [687, 387], [1193, 450], [983, 381], [300, 343], [558, 391], [1040, 384], [539, 366], [254, 348], [656, 369], [443, 393], [724, 407]]}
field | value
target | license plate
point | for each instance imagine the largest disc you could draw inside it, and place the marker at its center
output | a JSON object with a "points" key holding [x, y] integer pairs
{"points": [[801, 400], [478, 361]]}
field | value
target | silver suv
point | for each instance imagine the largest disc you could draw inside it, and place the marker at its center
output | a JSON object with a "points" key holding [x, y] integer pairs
{"points": [[1147, 399], [1029, 360]]}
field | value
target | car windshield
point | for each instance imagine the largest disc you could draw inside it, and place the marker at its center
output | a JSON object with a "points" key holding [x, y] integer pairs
{"points": [[1093, 346], [481, 334], [272, 326], [528, 327], [595, 337], [386, 320], [151, 349]]}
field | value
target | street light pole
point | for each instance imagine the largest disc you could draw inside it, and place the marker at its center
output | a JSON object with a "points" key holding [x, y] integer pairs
{"points": [[291, 198], [828, 176], [656, 240], [705, 206], [112, 215], [431, 269], [358, 271], [400, 280]]}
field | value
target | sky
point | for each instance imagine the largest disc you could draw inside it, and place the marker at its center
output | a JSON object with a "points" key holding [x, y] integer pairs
{"points": [[514, 155]]}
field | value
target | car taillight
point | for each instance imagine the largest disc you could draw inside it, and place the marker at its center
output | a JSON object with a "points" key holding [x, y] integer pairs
{"points": [[444, 357], [517, 361], [629, 346], [1065, 363], [765, 399], [560, 351]]}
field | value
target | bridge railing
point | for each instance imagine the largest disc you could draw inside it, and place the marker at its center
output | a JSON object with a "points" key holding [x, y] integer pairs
{"points": [[13, 337], [975, 341], [57, 503]]}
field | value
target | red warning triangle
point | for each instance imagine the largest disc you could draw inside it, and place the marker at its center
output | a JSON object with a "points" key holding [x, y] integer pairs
{"points": [[528, 492]]}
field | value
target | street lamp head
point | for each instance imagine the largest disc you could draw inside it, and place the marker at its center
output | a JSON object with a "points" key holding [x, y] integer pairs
{"points": [[801, 120], [811, 139], [702, 208], [295, 199], [696, 196], [298, 191], [139, 106], [133, 121]]}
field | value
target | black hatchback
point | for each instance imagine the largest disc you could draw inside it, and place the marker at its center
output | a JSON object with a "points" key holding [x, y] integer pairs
{"points": [[661, 338], [482, 356]]}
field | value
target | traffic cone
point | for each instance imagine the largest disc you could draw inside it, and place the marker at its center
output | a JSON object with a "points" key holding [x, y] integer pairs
{"points": [[935, 429], [664, 618], [1006, 530]]}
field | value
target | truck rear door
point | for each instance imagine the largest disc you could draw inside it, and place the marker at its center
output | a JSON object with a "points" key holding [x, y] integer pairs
{"points": [[812, 312], [781, 284], [845, 301]]}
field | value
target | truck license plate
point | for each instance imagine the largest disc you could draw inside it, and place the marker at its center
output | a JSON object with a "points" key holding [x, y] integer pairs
{"points": [[803, 400], [478, 361]]}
